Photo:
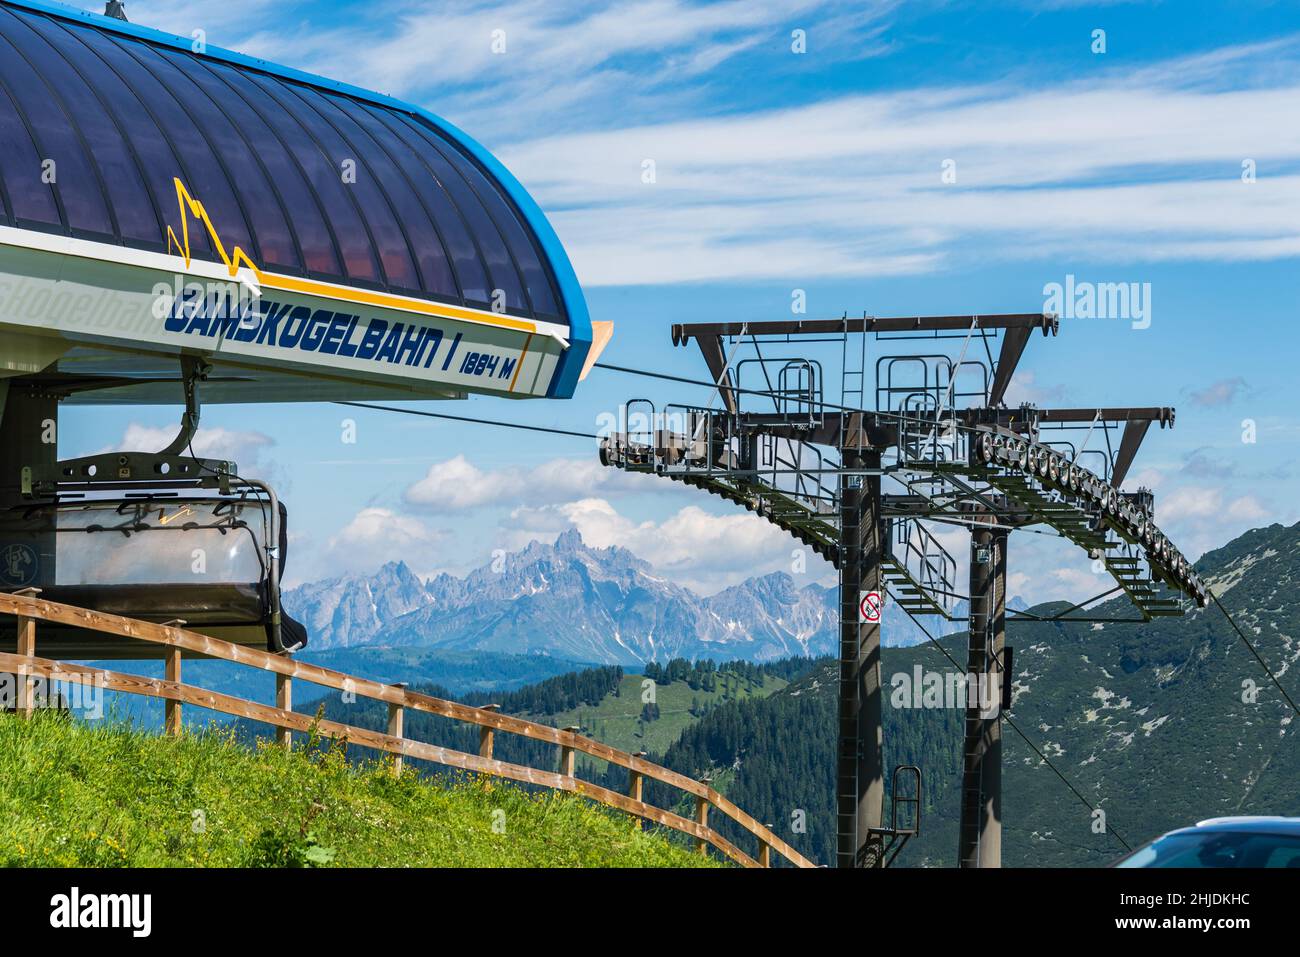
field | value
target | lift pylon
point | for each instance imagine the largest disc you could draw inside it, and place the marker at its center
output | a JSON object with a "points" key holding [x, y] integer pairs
{"points": [[981, 806], [860, 774], [941, 446]]}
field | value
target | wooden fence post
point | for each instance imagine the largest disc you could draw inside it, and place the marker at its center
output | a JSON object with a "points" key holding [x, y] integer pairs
{"points": [[284, 701], [26, 646], [567, 754], [702, 819], [172, 672], [635, 783], [25, 702], [702, 816], [395, 714], [172, 717], [764, 851], [485, 736]]}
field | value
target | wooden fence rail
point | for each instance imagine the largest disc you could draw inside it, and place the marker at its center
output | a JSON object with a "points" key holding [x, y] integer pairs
{"points": [[177, 641]]}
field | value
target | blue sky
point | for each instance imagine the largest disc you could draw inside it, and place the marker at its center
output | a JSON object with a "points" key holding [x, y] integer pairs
{"points": [[777, 170]]}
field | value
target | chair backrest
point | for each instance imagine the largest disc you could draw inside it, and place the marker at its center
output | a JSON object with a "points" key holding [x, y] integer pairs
{"points": [[136, 541]]}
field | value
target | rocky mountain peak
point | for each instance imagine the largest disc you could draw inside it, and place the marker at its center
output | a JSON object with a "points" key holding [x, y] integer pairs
{"points": [[569, 542]]}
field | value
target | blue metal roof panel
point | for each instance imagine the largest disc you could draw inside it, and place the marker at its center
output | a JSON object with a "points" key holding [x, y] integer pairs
{"points": [[160, 92]]}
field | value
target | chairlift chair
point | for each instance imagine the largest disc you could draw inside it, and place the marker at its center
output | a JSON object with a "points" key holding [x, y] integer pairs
{"points": [[160, 537]]}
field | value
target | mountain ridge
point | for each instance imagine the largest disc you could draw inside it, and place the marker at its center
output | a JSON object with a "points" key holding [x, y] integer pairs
{"points": [[570, 600]]}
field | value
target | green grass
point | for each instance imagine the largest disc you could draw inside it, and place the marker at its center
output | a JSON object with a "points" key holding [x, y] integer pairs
{"points": [[73, 794], [616, 721]]}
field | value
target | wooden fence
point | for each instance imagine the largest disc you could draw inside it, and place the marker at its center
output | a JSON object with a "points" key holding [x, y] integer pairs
{"points": [[29, 610]]}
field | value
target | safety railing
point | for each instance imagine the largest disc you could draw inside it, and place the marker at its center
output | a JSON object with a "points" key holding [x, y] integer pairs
{"points": [[919, 553], [29, 610]]}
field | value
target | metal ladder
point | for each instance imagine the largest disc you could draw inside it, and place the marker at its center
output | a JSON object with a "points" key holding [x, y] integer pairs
{"points": [[896, 836], [853, 369]]}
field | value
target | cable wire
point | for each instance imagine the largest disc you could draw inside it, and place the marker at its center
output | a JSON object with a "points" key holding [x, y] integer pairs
{"points": [[465, 418], [1007, 718], [1262, 663]]}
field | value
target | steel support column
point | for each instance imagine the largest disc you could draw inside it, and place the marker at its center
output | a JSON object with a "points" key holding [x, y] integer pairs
{"points": [[860, 781], [981, 796], [28, 430], [28, 433]]}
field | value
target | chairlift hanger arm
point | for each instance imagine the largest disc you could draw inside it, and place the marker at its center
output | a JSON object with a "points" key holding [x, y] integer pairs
{"points": [[193, 370], [126, 471], [118, 470]]}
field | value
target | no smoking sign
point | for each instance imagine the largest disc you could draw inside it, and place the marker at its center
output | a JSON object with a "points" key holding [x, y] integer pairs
{"points": [[869, 603]]}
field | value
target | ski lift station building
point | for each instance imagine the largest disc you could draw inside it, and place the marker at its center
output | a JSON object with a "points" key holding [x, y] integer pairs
{"points": [[179, 222], [141, 179]]}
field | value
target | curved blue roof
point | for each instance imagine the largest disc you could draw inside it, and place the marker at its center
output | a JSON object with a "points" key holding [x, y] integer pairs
{"points": [[308, 176]]}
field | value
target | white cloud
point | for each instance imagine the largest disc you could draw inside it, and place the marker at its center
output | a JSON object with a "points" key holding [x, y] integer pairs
{"points": [[458, 483], [1018, 584], [371, 538], [1149, 478], [500, 64], [1078, 581], [1024, 387], [419, 47], [245, 449], [692, 547], [1218, 393], [1247, 508], [1190, 501], [1131, 165], [1198, 517], [852, 187], [225, 22]]}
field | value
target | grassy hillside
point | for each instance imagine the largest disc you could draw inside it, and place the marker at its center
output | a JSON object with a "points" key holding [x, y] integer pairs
{"points": [[617, 720], [73, 794]]}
